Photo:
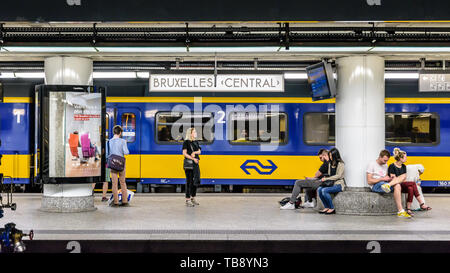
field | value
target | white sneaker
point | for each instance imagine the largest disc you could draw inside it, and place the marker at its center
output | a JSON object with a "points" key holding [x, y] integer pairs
{"points": [[308, 205], [288, 205]]}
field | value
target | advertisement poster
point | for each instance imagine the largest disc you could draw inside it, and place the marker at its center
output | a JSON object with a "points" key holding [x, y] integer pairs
{"points": [[74, 134]]}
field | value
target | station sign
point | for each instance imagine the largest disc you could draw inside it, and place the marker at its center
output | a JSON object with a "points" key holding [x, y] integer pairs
{"points": [[434, 81], [216, 83]]}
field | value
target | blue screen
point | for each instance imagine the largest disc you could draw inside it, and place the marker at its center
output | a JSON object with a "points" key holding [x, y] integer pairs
{"points": [[317, 78]]}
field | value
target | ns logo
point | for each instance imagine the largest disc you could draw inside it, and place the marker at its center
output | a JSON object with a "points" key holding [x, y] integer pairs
{"points": [[73, 2], [373, 2]]}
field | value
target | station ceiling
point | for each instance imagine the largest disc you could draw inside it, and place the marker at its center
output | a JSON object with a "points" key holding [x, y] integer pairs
{"points": [[406, 41]]}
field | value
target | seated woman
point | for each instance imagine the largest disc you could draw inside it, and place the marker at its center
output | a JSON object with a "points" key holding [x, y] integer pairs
{"points": [[398, 169], [336, 174], [413, 173]]}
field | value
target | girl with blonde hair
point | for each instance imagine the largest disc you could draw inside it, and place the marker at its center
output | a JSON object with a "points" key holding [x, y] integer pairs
{"points": [[191, 151]]}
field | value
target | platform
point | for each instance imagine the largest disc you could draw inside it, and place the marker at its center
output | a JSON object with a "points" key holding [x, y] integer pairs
{"points": [[223, 217]]}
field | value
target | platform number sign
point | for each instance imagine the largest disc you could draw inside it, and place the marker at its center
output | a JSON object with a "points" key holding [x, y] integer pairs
{"points": [[374, 246], [373, 2], [73, 2], [74, 246]]}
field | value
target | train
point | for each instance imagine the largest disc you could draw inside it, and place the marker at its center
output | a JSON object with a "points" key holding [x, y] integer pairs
{"points": [[232, 155]]}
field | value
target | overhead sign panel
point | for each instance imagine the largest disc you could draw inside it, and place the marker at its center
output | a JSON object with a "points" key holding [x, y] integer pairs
{"points": [[216, 10], [219, 83], [434, 81]]}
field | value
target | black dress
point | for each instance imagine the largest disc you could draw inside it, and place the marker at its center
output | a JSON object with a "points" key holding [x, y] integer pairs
{"points": [[192, 176]]}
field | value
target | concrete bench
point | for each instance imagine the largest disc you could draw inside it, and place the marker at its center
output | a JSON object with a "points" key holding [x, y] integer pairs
{"points": [[362, 201]]}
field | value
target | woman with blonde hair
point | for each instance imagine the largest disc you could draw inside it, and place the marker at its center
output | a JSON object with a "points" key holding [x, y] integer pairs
{"points": [[191, 152], [398, 169]]}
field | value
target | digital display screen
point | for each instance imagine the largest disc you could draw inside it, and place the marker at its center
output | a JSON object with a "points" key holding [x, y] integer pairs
{"points": [[317, 78], [75, 134]]}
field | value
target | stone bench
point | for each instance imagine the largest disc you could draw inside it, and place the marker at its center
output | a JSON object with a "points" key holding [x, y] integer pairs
{"points": [[362, 201]]}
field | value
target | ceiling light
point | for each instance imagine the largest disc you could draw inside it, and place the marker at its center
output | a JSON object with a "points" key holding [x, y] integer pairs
{"points": [[48, 49], [414, 75], [295, 76], [114, 75], [30, 75]]}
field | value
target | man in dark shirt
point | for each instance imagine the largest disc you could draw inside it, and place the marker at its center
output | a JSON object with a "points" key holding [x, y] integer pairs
{"points": [[310, 183]]}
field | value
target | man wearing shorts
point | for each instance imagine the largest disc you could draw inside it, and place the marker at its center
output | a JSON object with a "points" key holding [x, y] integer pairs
{"points": [[380, 182]]}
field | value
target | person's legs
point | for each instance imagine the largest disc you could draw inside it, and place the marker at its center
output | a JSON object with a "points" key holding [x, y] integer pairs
{"points": [[398, 197], [326, 194], [295, 191], [104, 189], [105, 184], [378, 187], [299, 184], [189, 183], [114, 187], [322, 197], [123, 186]]}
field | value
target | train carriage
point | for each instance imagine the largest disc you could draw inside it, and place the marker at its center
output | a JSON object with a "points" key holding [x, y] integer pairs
{"points": [[420, 126]]}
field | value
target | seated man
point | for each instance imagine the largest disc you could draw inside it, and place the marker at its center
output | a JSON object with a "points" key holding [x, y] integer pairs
{"points": [[312, 183], [379, 181]]}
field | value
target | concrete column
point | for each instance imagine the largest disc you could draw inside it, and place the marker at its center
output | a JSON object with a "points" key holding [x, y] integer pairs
{"points": [[360, 132], [359, 114], [67, 197]]}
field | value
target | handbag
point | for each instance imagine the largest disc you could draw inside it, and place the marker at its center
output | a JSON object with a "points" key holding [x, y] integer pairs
{"points": [[115, 162], [327, 183], [188, 164]]}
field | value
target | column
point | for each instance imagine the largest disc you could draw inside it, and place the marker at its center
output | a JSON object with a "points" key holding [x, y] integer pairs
{"points": [[67, 197], [360, 132]]}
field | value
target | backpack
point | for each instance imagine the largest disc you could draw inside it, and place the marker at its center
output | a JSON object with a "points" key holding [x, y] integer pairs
{"points": [[298, 201]]}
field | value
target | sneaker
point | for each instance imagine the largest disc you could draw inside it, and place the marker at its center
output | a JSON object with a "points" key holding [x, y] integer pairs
{"points": [[288, 205], [403, 214], [386, 188], [189, 203], [195, 202], [308, 205]]}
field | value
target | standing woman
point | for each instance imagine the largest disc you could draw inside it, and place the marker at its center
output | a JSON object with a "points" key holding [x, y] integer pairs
{"points": [[334, 183], [191, 151], [118, 146]]}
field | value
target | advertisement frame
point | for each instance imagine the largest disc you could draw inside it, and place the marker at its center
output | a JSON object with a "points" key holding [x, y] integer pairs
{"points": [[42, 134]]}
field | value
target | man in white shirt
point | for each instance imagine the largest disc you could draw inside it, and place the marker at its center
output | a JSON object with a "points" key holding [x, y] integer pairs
{"points": [[379, 181]]}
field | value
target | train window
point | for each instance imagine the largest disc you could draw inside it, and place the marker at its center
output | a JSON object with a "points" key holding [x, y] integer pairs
{"points": [[172, 126], [405, 129], [255, 128], [411, 128], [129, 127], [319, 128]]}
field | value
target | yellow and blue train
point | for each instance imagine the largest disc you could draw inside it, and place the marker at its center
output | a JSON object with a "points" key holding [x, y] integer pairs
{"points": [[420, 126]]}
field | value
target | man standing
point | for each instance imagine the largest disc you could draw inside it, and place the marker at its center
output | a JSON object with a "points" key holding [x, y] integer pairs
{"points": [[379, 181], [311, 183]]}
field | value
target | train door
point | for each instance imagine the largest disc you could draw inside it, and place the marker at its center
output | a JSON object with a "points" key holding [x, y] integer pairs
{"points": [[130, 120]]}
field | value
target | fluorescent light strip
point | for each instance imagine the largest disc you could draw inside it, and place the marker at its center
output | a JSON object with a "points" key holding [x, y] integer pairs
{"points": [[47, 49], [401, 75], [267, 49], [411, 49], [145, 75], [295, 76], [114, 75]]}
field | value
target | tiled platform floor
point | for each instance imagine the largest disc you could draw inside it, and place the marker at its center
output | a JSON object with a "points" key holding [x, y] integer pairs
{"points": [[223, 217]]}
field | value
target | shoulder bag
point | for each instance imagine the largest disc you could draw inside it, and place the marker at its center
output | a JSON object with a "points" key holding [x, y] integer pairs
{"points": [[115, 162], [188, 164]]}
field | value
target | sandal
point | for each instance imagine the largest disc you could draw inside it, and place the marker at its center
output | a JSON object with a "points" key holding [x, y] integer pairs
{"points": [[424, 208], [409, 211]]}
